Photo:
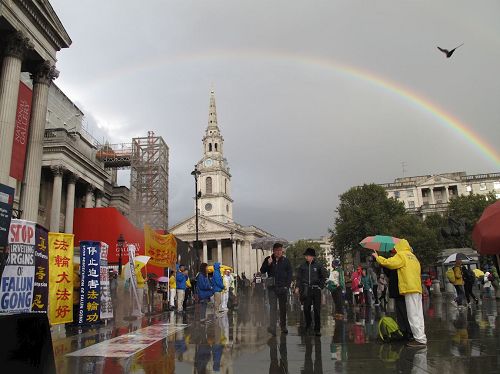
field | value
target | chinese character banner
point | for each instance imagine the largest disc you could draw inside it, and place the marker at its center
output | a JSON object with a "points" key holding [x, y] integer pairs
{"points": [[16, 285], [41, 289], [106, 302], [60, 277], [161, 248], [90, 284]]}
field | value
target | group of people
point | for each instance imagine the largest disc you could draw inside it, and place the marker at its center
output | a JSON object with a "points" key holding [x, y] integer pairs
{"points": [[464, 279]]}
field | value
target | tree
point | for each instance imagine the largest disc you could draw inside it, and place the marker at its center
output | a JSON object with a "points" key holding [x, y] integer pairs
{"points": [[463, 213], [295, 252], [363, 211], [422, 239]]}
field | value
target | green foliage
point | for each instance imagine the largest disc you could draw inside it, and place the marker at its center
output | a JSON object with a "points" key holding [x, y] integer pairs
{"points": [[295, 252], [362, 211]]}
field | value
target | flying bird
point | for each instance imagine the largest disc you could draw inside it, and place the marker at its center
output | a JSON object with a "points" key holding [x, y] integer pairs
{"points": [[449, 53]]}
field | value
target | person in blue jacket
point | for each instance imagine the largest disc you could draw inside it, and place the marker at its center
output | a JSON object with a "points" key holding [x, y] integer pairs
{"points": [[204, 289], [218, 287], [180, 280]]}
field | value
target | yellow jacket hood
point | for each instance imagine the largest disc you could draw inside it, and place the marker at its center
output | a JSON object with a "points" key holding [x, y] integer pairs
{"points": [[402, 246]]}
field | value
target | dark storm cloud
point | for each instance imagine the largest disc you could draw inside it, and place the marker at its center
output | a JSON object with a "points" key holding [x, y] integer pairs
{"points": [[297, 133]]}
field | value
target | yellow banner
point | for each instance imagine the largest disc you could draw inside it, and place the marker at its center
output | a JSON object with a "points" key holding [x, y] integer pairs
{"points": [[161, 248], [60, 278]]}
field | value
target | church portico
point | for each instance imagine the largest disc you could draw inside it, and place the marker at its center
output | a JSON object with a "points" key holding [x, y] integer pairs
{"points": [[221, 239]]}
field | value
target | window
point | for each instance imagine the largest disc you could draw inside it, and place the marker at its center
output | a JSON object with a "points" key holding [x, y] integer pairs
{"points": [[496, 185], [227, 208], [409, 193], [210, 147], [396, 194], [482, 186], [215, 147], [208, 185], [411, 204]]}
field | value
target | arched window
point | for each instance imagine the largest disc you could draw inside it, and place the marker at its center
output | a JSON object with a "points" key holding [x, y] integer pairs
{"points": [[210, 147], [209, 184], [215, 147]]}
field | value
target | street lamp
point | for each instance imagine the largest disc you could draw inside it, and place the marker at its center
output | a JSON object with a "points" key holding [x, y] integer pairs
{"points": [[196, 173], [120, 242]]}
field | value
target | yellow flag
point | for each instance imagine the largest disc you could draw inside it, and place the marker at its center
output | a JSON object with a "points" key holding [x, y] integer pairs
{"points": [[161, 248], [60, 277]]}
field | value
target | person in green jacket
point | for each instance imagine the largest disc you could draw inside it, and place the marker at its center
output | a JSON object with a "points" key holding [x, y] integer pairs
{"points": [[336, 286], [367, 287]]}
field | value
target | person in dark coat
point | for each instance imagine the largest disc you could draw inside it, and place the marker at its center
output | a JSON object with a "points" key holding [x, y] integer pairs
{"points": [[278, 268], [469, 281], [399, 303], [311, 278]]}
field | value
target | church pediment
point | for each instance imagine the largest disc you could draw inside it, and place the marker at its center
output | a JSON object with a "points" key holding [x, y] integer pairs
{"points": [[437, 179], [205, 224]]}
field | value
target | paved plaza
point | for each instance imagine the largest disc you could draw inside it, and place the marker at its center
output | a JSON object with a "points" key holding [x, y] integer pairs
{"points": [[463, 340]]}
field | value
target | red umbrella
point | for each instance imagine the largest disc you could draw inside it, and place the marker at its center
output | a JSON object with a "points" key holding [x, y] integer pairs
{"points": [[486, 233]]}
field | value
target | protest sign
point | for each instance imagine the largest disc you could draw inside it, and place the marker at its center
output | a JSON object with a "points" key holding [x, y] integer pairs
{"points": [[90, 286], [106, 302], [161, 248]]}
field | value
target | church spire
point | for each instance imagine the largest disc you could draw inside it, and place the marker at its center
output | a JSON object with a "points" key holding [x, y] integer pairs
{"points": [[212, 112]]}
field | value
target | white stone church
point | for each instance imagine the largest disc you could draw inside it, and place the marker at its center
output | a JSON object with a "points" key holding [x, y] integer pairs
{"points": [[223, 239]]}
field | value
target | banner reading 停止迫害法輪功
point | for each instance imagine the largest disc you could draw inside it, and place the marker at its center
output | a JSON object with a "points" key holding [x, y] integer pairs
{"points": [[90, 275], [16, 284], [106, 302], [161, 248], [41, 284], [61, 250]]}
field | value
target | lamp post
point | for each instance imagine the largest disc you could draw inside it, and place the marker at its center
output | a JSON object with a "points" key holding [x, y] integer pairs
{"points": [[195, 173], [120, 242]]}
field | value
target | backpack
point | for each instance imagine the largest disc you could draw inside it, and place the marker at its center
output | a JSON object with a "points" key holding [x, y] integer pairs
{"points": [[450, 274], [388, 329]]}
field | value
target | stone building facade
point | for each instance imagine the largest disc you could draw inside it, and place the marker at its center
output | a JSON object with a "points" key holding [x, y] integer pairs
{"points": [[222, 239], [428, 194]]}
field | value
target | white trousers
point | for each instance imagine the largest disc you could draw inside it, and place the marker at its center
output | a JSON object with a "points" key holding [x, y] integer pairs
{"points": [[225, 299], [180, 299], [173, 292], [415, 315]]}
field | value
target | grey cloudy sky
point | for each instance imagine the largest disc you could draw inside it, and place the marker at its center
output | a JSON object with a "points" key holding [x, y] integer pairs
{"points": [[301, 118]]}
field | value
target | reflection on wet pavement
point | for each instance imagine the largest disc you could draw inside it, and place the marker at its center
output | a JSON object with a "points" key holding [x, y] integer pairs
{"points": [[460, 341]]}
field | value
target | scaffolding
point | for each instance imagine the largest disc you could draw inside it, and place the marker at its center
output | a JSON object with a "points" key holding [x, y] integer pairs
{"points": [[147, 158]]}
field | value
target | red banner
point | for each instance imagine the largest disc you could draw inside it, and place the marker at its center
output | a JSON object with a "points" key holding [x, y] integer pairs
{"points": [[21, 132]]}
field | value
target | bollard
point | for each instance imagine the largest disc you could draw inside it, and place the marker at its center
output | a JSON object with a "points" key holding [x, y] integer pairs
{"points": [[436, 288]]}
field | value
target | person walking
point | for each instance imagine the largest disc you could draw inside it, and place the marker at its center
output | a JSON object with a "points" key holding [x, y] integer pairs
{"points": [[311, 277], [458, 283], [204, 290], [278, 267], [356, 286], [410, 285], [218, 287], [366, 280], [180, 282], [428, 285], [336, 285], [469, 281], [348, 287], [172, 286]]}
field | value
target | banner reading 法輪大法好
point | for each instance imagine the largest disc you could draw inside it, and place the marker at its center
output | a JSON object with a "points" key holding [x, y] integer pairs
{"points": [[60, 277], [106, 302], [161, 248], [16, 285], [41, 285], [90, 275]]}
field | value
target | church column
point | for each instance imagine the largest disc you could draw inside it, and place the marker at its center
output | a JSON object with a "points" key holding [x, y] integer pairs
{"points": [[447, 193], [205, 252], [70, 203], [42, 79], [89, 196], [235, 258], [16, 47], [55, 212], [219, 251], [432, 196], [98, 199]]}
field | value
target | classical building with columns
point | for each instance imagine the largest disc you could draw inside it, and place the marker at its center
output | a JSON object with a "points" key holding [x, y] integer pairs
{"points": [[223, 240], [30, 35], [427, 194]]}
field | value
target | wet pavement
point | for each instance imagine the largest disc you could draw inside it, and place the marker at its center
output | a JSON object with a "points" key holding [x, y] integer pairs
{"points": [[463, 340]]}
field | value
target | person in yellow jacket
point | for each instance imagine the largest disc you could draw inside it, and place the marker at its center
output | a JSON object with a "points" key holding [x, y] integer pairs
{"points": [[410, 285], [172, 286], [459, 283]]}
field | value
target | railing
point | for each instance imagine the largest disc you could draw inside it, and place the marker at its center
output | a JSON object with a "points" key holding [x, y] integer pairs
{"points": [[481, 176]]}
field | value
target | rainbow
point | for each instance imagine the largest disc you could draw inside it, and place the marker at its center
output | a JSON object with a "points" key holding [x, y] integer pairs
{"points": [[423, 104]]}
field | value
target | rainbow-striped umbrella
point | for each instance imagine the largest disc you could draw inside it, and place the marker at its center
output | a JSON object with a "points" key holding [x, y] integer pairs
{"points": [[381, 243]]}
